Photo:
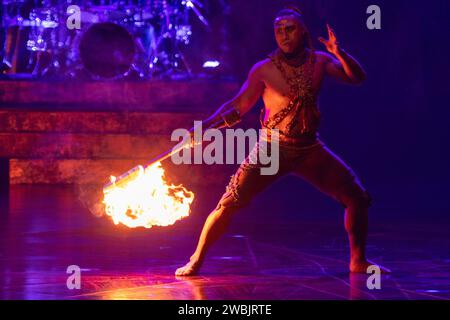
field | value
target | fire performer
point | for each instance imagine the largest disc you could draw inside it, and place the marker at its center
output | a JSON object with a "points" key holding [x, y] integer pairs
{"points": [[289, 82]]}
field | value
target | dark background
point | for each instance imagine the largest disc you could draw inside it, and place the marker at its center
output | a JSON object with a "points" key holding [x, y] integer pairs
{"points": [[394, 129]]}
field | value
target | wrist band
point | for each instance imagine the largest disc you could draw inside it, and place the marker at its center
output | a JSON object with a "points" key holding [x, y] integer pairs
{"points": [[231, 117]]}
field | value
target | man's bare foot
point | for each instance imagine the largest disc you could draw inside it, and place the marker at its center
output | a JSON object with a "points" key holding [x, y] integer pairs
{"points": [[360, 266], [189, 269]]}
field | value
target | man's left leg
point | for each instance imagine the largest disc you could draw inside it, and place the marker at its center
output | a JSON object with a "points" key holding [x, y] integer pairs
{"points": [[323, 169]]}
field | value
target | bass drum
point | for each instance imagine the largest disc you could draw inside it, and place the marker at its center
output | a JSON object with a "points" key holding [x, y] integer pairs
{"points": [[107, 50]]}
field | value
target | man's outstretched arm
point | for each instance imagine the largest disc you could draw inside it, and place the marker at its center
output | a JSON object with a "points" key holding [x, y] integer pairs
{"points": [[231, 112]]}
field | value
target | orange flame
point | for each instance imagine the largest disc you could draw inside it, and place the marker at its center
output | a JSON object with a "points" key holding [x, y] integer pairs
{"points": [[148, 200]]}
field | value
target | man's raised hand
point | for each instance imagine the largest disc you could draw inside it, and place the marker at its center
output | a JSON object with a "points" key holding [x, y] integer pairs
{"points": [[332, 43]]}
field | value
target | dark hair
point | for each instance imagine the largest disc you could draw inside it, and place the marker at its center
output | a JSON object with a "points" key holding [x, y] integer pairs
{"points": [[295, 11], [289, 10]]}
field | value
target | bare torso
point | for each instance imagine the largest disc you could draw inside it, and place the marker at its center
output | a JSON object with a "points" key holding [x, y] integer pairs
{"points": [[276, 90]]}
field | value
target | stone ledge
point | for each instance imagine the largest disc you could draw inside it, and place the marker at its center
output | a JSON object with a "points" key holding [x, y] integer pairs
{"points": [[152, 95], [98, 172], [82, 146], [96, 122]]}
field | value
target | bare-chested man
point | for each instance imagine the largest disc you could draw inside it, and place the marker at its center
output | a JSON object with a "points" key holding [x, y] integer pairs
{"points": [[289, 82]]}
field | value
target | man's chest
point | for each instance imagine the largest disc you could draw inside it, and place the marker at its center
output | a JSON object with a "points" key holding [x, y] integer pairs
{"points": [[281, 83]]}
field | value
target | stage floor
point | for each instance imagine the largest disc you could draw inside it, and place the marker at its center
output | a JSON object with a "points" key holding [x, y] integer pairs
{"points": [[45, 229]]}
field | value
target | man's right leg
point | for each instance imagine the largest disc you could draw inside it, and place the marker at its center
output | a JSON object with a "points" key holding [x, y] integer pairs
{"points": [[244, 185], [214, 227]]}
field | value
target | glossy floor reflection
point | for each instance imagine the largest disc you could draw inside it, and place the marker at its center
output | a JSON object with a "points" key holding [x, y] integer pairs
{"points": [[45, 229]]}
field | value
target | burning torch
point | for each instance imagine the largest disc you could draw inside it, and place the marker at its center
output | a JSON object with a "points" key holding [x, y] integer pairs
{"points": [[142, 198], [220, 119]]}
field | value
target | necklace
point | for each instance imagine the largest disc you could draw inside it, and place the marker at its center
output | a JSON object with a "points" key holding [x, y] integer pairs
{"points": [[294, 60], [299, 79]]}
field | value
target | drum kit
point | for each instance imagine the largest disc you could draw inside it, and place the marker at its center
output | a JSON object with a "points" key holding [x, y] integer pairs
{"points": [[116, 38]]}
